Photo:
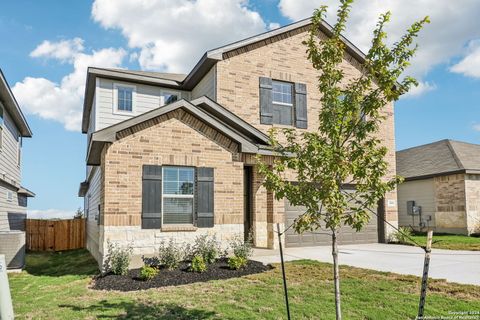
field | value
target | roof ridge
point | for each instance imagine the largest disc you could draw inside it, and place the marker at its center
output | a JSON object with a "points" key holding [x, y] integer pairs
{"points": [[457, 159], [424, 145]]}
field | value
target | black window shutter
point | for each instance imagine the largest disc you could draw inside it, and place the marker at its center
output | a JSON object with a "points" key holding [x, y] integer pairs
{"points": [[266, 108], [301, 105], [204, 198], [151, 197]]}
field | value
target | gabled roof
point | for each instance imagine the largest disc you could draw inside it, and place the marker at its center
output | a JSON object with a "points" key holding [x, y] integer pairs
{"points": [[438, 158], [250, 139], [10, 103], [208, 60]]}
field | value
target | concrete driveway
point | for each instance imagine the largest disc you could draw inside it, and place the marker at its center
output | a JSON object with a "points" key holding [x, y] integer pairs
{"points": [[452, 265]]}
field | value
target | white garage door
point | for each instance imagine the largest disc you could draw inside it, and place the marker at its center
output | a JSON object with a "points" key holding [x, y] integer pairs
{"points": [[346, 235]]}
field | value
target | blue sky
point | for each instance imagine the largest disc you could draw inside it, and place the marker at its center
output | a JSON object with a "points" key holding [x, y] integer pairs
{"points": [[119, 33]]}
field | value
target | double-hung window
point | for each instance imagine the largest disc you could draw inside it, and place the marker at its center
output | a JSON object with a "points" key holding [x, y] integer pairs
{"points": [[124, 98], [178, 195], [282, 102]]}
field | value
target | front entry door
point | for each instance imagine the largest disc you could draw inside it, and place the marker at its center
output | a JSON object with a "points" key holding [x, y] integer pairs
{"points": [[247, 200]]}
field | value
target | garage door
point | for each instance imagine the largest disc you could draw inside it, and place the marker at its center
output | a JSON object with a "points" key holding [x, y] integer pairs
{"points": [[346, 235]]}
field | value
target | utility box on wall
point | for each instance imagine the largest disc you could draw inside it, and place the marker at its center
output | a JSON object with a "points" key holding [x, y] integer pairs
{"points": [[412, 209]]}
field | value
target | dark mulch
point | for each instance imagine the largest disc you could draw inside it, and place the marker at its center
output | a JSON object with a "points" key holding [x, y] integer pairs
{"points": [[215, 271]]}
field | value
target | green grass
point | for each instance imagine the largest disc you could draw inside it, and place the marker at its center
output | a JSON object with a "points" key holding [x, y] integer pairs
{"points": [[56, 286], [450, 241]]}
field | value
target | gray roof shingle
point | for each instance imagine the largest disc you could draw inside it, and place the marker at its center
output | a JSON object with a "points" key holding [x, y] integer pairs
{"points": [[437, 158]]}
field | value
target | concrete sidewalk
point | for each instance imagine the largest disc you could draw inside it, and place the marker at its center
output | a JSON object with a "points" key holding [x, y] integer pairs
{"points": [[452, 265]]}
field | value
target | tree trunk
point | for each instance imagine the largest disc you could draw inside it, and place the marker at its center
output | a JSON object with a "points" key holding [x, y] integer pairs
{"points": [[336, 276]]}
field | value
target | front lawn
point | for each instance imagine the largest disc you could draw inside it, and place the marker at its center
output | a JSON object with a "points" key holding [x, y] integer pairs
{"points": [[55, 286], [450, 241]]}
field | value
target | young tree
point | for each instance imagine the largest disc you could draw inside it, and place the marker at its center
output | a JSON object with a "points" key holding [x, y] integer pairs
{"points": [[340, 168]]}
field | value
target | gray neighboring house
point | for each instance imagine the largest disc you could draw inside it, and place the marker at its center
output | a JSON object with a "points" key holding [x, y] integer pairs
{"points": [[441, 188], [13, 197]]}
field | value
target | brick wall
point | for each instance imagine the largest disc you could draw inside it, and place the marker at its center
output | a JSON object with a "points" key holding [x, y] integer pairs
{"points": [[173, 139], [472, 190], [450, 215], [238, 90]]}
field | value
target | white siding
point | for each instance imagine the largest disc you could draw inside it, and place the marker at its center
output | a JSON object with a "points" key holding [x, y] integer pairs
{"points": [[93, 199], [9, 150], [423, 193], [9, 172], [206, 86], [147, 98]]}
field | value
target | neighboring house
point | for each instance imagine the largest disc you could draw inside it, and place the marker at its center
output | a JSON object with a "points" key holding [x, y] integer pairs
{"points": [[174, 156], [13, 128], [441, 188]]}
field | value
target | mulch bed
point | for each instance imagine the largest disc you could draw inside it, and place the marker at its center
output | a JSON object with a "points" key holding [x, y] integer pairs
{"points": [[215, 271]]}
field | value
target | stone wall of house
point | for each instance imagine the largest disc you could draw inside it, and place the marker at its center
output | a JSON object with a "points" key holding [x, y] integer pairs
{"points": [[450, 215], [179, 139], [285, 59], [472, 190]]}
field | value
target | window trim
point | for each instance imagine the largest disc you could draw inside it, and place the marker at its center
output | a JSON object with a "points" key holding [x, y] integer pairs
{"points": [[177, 196], [284, 104], [9, 196], [172, 92], [116, 85]]}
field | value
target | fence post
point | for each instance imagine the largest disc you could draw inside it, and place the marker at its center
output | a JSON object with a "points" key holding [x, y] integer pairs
{"points": [[283, 271], [426, 266], [6, 308]]}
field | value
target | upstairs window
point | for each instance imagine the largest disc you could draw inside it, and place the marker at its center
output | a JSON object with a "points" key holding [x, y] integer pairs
{"points": [[124, 98], [283, 103], [282, 100]]}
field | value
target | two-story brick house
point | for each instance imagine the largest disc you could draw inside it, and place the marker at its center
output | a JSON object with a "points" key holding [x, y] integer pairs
{"points": [[173, 156]]}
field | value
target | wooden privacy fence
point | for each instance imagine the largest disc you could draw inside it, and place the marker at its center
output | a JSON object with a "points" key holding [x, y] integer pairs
{"points": [[55, 235]]}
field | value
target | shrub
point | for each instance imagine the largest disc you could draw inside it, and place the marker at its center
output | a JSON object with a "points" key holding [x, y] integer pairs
{"points": [[207, 247], [117, 258], [170, 255], [402, 235], [148, 273], [198, 264], [242, 248], [237, 262]]}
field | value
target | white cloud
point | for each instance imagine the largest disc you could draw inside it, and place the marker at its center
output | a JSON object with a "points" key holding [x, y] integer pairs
{"points": [[423, 87], [50, 214], [476, 126], [172, 35], [273, 25], [63, 50], [453, 23], [470, 64], [63, 101]]}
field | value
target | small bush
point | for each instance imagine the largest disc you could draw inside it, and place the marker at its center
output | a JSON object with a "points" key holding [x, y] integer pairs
{"points": [[403, 235], [198, 264], [170, 255], [117, 259], [242, 248], [148, 273], [237, 262], [207, 247]]}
